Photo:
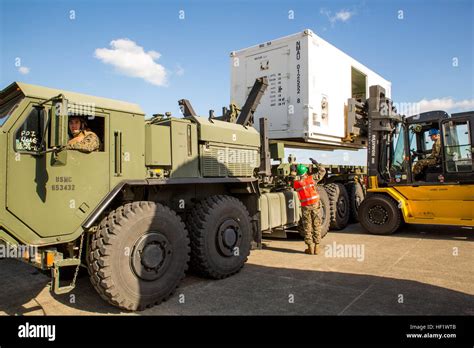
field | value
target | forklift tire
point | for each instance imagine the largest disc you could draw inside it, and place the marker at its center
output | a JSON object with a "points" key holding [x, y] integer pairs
{"points": [[379, 214], [356, 196], [221, 234], [325, 214], [139, 255], [339, 205]]}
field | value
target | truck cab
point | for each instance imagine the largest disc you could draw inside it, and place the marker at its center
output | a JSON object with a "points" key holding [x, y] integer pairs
{"points": [[40, 181]]}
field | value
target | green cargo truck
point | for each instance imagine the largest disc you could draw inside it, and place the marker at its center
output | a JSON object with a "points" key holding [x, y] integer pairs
{"points": [[159, 193]]}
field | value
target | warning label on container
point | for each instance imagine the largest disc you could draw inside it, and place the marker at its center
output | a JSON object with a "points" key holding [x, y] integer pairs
{"points": [[277, 92]]}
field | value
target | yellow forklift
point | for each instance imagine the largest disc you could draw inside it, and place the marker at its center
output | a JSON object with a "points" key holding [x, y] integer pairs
{"points": [[441, 194]]}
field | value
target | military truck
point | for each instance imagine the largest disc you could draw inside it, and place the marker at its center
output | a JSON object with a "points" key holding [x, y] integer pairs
{"points": [[158, 194]]}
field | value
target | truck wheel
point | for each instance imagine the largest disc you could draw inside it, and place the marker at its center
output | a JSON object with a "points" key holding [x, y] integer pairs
{"points": [[138, 255], [221, 235], [379, 214], [339, 205], [325, 210], [325, 213], [356, 196]]}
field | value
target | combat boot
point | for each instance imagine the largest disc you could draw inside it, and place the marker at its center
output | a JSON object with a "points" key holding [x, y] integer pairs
{"points": [[310, 250], [317, 249]]}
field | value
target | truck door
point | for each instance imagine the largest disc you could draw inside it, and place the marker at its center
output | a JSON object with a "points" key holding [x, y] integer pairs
{"points": [[52, 197]]}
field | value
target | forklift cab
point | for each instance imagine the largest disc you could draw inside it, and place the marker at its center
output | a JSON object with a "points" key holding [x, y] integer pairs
{"points": [[411, 143]]}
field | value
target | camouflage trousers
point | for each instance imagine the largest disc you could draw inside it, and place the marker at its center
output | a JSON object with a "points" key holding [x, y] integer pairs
{"points": [[422, 164], [311, 219]]}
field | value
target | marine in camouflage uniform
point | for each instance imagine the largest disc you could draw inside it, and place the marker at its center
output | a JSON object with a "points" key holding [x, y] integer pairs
{"points": [[432, 159], [83, 139], [311, 213]]}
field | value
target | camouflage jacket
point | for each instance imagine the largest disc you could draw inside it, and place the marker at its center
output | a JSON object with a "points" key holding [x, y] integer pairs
{"points": [[89, 143], [435, 150], [320, 174]]}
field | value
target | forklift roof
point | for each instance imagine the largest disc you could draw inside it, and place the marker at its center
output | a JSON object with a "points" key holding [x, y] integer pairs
{"points": [[463, 114], [47, 93], [430, 116]]}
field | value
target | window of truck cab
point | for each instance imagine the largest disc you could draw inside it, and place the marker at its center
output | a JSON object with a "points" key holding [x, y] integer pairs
{"points": [[8, 107], [29, 136], [96, 124]]}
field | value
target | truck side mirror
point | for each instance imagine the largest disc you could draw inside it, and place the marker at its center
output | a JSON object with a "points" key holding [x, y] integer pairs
{"points": [[59, 122]]}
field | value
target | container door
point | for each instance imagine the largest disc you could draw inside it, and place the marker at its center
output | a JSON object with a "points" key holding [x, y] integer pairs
{"points": [[274, 64]]}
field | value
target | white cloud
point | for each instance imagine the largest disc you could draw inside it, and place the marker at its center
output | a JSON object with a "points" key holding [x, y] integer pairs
{"points": [[24, 70], [130, 59], [179, 70], [341, 16], [446, 104]]}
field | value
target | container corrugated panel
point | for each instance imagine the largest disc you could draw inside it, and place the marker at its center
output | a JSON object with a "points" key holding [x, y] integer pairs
{"points": [[310, 82]]}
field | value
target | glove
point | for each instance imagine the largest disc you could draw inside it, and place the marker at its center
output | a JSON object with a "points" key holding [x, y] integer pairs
{"points": [[314, 161]]}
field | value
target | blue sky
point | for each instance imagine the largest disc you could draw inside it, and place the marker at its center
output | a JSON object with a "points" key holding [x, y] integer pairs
{"points": [[189, 58]]}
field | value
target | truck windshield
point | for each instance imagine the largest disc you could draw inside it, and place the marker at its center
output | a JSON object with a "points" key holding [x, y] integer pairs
{"points": [[7, 108]]}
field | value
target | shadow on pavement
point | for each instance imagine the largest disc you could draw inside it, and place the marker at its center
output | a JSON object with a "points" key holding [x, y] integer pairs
{"points": [[419, 231], [20, 285], [258, 290]]}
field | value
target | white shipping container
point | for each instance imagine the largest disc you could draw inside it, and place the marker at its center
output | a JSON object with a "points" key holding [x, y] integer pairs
{"points": [[310, 81]]}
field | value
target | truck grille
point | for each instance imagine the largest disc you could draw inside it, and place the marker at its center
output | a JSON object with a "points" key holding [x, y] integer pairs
{"points": [[219, 161]]}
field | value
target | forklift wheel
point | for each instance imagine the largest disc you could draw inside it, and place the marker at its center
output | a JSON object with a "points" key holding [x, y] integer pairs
{"points": [[379, 214]]}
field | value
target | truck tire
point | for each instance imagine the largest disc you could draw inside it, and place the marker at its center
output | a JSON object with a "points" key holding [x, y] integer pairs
{"points": [[339, 205], [356, 196], [325, 214], [138, 255], [325, 210], [379, 214], [221, 234]]}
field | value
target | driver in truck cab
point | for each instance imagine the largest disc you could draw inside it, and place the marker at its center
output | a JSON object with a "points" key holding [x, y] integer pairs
{"points": [[82, 138], [432, 159], [308, 195]]}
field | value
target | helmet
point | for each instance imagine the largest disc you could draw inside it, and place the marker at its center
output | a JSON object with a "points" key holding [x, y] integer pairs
{"points": [[301, 169], [433, 131]]}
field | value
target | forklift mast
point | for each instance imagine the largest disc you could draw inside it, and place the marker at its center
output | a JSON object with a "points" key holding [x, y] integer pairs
{"points": [[382, 120]]}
